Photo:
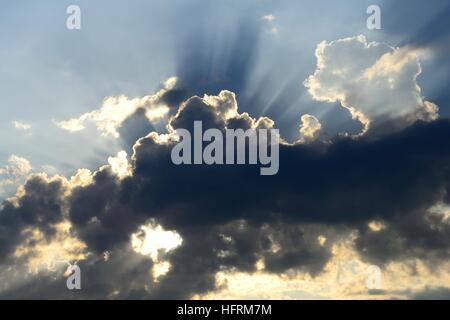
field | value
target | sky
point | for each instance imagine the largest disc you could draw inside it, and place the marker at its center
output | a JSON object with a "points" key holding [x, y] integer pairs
{"points": [[88, 124]]}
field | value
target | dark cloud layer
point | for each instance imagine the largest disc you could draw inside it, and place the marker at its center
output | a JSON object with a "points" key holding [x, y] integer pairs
{"points": [[230, 217]]}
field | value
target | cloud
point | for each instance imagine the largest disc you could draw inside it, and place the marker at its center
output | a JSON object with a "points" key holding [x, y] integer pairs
{"points": [[38, 205], [310, 128], [375, 82], [15, 171], [116, 110], [268, 17], [17, 167], [119, 165], [44, 254], [22, 125], [153, 240]]}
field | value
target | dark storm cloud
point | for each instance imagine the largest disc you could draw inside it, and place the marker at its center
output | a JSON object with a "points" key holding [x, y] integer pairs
{"points": [[343, 182], [414, 235], [101, 213], [40, 207], [230, 216], [394, 178]]}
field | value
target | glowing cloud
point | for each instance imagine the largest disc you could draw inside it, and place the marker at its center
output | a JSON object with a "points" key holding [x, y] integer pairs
{"points": [[374, 81], [153, 240], [310, 128], [115, 110]]}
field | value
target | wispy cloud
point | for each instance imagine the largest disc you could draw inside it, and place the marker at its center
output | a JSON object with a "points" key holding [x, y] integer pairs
{"points": [[21, 125], [15, 170], [268, 17]]}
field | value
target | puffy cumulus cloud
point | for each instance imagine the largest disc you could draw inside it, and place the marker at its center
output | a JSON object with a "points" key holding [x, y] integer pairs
{"points": [[119, 165], [114, 111], [13, 173], [375, 82], [213, 111], [82, 178], [379, 195], [17, 167], [310, 128]]}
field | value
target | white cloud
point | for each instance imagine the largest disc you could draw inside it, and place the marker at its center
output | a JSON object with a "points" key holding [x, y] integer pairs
{"points": [[119, 165], [225, 104], [372, 80], [14, 172], [17, 167], [115, 110], [82, 178], [310, 128], [153, 240], [21, 125]]}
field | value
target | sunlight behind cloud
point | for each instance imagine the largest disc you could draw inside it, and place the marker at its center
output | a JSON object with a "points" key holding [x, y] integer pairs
{"points": [[152, 240], [115, 110]]}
